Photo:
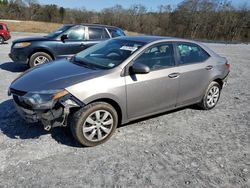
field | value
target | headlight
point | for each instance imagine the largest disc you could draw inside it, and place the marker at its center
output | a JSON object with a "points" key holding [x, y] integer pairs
{"points": [[21, 44], [43, 99]]}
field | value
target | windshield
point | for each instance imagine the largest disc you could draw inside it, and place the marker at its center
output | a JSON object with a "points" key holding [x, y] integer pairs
{"points": [[58, 31], [108, 54]]}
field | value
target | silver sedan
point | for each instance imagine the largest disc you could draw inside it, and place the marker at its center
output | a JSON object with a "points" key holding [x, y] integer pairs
{"points": [[118, 81]]}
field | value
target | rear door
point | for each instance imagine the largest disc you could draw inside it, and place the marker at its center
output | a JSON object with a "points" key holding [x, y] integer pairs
{"points": [[157, 90], [195, 68], [97, 34], [75, 43]]}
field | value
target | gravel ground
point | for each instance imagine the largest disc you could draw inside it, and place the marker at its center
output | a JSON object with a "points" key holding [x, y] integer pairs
{"points": [[184, 148]]}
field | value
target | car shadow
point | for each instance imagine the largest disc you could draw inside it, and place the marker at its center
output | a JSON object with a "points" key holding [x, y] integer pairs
{"points": [[193, 107], [13, 67], [5, 43], [14, 127]]}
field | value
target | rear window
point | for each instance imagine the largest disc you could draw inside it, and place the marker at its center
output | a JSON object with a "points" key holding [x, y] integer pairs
{"points": [[116, 33], [1, 27]]}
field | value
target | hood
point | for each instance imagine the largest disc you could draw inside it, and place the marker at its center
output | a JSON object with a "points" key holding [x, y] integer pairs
{"points": [[55, 75], [31, 39]]}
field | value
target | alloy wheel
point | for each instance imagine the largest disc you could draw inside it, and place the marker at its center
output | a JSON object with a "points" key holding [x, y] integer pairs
{"points": [[40, 60], [213, 96], [98, 125]]}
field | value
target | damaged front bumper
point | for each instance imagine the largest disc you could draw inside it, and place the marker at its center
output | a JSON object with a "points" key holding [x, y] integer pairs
{"points": [[50, 118]]}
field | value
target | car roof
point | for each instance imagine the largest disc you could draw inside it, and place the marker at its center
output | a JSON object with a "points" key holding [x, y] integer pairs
{"points": [[94, 25], [147, 39], [150, 39]]}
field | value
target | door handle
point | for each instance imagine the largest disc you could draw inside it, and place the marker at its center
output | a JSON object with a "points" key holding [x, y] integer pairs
{"points": [[209, 67], [174, 75]]}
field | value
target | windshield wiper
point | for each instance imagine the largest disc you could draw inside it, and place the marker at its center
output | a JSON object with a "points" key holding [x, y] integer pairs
{"points": [[84, 63]]}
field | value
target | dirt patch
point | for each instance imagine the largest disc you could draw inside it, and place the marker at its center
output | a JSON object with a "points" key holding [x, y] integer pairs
{"points": [[39, 27], [32, 26]]}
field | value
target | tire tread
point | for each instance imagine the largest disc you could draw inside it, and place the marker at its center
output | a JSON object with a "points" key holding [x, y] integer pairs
{"points": [[76, 120]]}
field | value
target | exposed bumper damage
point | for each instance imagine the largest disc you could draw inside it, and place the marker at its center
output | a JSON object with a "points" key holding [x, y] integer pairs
{"points": [[50, 118]]}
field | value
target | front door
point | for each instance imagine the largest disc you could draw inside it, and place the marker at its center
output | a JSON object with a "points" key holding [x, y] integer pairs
{"points": [[156, 91], [75, 43]]}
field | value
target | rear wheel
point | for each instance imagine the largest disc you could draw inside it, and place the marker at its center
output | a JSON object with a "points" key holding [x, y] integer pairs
{"points": [[211, 97], [39, 58], [94, 124], [1, 40]]}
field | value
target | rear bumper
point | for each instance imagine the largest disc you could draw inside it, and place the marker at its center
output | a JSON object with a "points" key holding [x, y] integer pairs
{"points": [[225, 80], [7, 38]]}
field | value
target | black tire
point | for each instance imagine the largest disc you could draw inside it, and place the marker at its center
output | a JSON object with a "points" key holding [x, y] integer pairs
{"points": [[33, 58], [79, 120], [204, 104], [1, 40]]}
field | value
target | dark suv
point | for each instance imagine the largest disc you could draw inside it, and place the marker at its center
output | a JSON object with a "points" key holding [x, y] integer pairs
{"points": [[64, 42], [4, 33]]}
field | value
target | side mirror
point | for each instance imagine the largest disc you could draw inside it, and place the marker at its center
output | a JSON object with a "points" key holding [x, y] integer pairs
{"points": [[139, 68], [64, 37]]}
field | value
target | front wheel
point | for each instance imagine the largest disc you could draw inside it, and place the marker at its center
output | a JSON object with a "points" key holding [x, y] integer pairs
{"points": [[94, 124], [39, 58], [211, 96]]}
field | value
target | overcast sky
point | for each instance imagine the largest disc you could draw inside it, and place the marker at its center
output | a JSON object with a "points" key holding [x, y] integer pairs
{"points": [[100, 4]]}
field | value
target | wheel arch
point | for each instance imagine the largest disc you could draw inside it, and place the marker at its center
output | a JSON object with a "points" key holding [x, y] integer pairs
{"points": [[114, 104], [44, 50], [219, 81]]}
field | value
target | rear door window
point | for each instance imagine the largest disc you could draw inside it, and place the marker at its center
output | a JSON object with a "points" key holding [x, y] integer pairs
{"points": [[1, 27], [191, 53], [96, 33]]}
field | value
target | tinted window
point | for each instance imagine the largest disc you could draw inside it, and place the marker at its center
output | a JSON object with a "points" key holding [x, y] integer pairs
{"points": [[1, 27], [191, 53], [97, 33], [116, 33], [158, 57], [76, 33]]}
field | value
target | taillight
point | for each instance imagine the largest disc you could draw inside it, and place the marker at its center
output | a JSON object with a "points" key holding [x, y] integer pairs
{"points": [[228, 65]]}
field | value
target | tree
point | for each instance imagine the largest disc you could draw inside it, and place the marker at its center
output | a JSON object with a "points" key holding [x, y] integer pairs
{"points": [[196, 19], [62, 13]]}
